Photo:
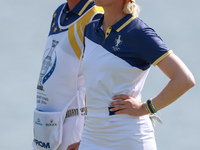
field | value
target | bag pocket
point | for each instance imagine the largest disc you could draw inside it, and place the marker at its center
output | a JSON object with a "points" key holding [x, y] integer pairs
{"points": [[48, 127]]}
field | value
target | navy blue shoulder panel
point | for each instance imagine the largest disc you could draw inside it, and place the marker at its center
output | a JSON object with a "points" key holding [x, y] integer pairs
{"points": [[137, 43], [93, 33], [149, 44], [54, 29]]}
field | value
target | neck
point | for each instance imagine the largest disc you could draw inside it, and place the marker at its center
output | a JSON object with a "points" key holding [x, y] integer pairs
{"points": [[72, 3], [112, 14]]}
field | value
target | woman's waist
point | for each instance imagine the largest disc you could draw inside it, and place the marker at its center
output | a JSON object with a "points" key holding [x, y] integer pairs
{"points": [[98, 112], [119, 123], [99, 106], [103, 112]]}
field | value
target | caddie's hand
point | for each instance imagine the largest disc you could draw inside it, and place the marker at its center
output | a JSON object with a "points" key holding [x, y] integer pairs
{"points": [[74, 146], [125, 104]]}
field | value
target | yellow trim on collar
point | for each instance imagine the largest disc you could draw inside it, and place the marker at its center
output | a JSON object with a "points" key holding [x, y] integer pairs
{"points": [[126, 23], [84, 7], [162, 57], [108, 32]]}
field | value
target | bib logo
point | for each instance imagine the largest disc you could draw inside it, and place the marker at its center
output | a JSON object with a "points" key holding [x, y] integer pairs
{"points": [[42, 144], [38, 122], [118, 41], [48, 65], [51, 124]]}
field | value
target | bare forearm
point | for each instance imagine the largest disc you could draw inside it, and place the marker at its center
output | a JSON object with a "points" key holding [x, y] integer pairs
{"points": [[181, 80], [173, 90]]}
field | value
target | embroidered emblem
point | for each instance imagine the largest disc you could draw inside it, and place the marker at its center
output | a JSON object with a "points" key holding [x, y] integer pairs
{"points": [[118, 41]]}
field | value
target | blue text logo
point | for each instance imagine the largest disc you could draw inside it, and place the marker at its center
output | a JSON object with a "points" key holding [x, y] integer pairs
{"points": [[42, 144]]}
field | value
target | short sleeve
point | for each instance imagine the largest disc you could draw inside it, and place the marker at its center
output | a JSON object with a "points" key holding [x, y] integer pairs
{"points": [[152, 47]]}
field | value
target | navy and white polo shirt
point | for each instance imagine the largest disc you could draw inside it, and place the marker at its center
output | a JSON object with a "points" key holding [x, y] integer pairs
{"points": [[118, 61]]}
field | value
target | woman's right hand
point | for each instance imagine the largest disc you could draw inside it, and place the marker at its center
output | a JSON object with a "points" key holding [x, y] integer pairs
{"points": [[124, 104]]}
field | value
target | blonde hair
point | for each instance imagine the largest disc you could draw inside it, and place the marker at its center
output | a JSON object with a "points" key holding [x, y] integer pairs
{"points": [[130, 7]]}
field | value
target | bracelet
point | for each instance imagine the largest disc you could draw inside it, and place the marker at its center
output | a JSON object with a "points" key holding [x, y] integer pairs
{"points": [[152, 111], [150, 107]]}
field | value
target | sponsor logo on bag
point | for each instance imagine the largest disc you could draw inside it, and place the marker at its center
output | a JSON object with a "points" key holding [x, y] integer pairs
{"points": [[38, 122], [51, 124], [42, 144]]}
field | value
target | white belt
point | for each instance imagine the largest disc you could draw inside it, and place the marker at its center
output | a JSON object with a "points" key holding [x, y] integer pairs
{"points": [[100, 111]]}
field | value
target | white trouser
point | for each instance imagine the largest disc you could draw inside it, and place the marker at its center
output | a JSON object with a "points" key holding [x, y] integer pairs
{"points": [[117, 132]]}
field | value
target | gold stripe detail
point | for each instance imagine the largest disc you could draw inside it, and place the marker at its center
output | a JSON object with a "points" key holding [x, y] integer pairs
{"points": [[80, 25], [84, 7], [100, 9], [80, 34], [87, 17], [73, 42], [108, 32], [126, 23], [83, 22], [162, 57]]}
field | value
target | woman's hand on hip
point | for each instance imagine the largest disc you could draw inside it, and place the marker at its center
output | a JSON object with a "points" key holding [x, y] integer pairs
{"points": [[124, 104]]}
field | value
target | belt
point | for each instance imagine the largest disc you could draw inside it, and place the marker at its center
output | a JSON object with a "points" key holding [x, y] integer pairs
{"points": [[74, 112], [101, 111], [111, 112]]}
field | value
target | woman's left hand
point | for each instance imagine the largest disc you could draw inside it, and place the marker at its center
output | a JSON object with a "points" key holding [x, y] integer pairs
{"points": [[125, 104]]}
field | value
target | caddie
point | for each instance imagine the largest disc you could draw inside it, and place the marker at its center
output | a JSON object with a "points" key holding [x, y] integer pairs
{"points": [[59, 115]]}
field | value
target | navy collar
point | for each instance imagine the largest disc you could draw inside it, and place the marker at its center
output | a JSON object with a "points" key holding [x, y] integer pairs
{"points": [[121, 24]]}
